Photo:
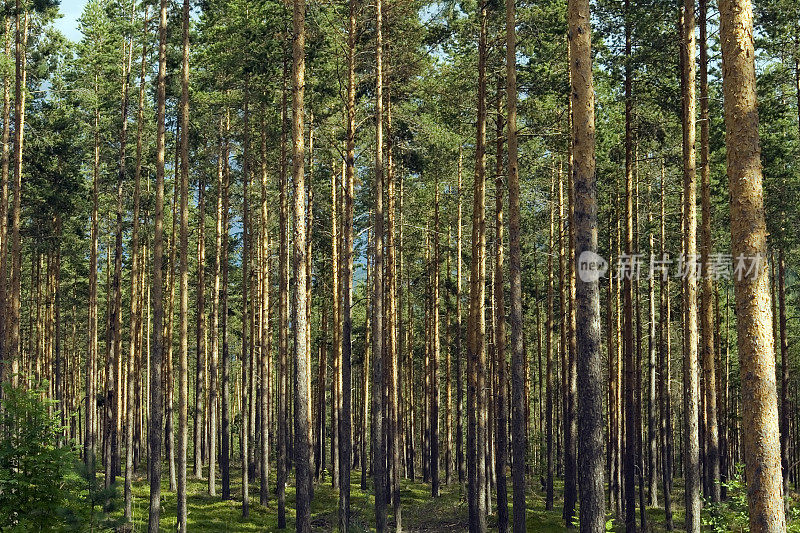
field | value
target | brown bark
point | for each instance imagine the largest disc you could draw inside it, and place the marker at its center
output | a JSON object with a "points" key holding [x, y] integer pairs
{"points": [[519, 380], [587, 294], [302, 397], [136, 314], [460, 456], [706, 305], [264, 328], [4, 224], [476, 350], [183, 357], [549, 384], [345, 423], [435, 353], [215, 326], [225, 419], [247, 359], [748, 238], [691, 402], [156, 355], [283, 312], [378, 444], [501, 418]]}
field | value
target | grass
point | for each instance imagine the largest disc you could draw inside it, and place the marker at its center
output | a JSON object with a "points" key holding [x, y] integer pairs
{"points": [[420, 512]]}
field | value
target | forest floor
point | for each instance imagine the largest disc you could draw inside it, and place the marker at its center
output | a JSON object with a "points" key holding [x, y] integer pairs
{"points": [[448, 513]]}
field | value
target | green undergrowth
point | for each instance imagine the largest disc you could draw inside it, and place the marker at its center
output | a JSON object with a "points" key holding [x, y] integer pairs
{"points": [[420, 512]]}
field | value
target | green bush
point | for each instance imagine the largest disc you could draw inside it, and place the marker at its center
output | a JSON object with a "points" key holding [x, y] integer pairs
{"points": [[43, 485]]}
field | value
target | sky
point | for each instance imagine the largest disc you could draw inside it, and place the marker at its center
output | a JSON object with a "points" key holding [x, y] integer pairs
{"points": [[68, 23]]}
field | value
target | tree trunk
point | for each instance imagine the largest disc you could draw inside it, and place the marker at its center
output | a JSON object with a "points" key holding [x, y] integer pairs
{"points": [[302, 397], [283, 312], [183, 361], [549, 349], [378, 444], [587, 295], [345, 430], [748, 238], [460, 456], [501, 418], [690, 374], [706, 304], [435, 352], [215, 313], [156, 355], [136, 313], [264, 328], [247, 359], [4, 228], [90, 438], [477, 318], [225, 424]]}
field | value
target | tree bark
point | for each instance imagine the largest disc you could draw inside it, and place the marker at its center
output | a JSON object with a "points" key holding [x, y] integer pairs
{"points": [[477, 318], [706, 303], [501, 418], [587, 293], [183, 361], [156, 355], [283, 312], [460, 456], [748, 238], [215, 314], [345, 430], [302, 397], [378, 444], [690, 375]]}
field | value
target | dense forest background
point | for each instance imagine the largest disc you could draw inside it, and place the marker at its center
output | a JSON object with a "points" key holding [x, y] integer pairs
{"points": [[175, 269]]}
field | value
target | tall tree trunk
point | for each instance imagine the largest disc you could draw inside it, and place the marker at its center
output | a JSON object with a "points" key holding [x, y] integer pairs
{"points": [[549, 349], [302, 397], [435, 352], [183, 361], [201, 408], [690, 375], [91, 361], [4, 226], [587, 294], [283, 312], [392, 376], [748, 238], [571, 391], [20, 76], [518, 360], [706, 304], [336, 385], [345, 430], [215, 326], [265, 330], [378, 444], [156, 355], [629, 462], [136, 313], [460, 456], [476, 434], [225, 420], [114, 379], [169, 378], [247, 359], [785, 365], [652, 442], [501, 419]]}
